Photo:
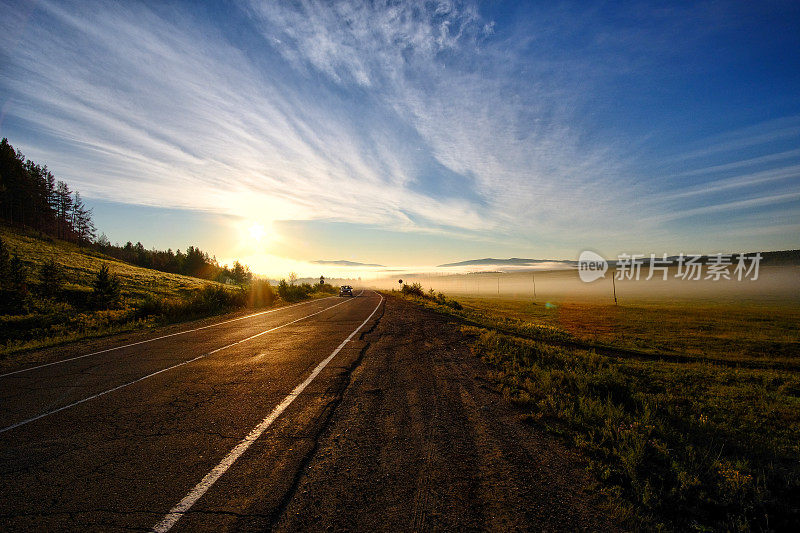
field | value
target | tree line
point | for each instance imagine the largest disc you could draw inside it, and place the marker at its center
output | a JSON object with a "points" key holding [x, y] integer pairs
{"points": [[194, 262], [32, 197]]}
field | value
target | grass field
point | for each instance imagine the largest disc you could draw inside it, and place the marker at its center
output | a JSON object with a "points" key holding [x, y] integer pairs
{"points": [[689, 445], [81, 265], [736, 331], [148, 297], [40, 321]]}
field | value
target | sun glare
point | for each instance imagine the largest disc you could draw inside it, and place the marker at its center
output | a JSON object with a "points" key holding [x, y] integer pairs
{"points": [[257, 232]]}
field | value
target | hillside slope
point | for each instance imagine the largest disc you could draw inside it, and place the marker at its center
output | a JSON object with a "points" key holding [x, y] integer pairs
{"points": [[31, 317], [82, 264]]}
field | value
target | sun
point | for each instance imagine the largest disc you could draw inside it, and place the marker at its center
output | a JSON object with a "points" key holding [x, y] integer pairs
{"points": [[257, 232]]}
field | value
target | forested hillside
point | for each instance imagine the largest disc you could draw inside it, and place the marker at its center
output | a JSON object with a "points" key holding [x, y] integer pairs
{"points": [[31, 197]]}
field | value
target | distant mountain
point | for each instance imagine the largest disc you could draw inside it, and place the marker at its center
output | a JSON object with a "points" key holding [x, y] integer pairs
{"points": [[783, 257], [342, 262], [512, 261]]}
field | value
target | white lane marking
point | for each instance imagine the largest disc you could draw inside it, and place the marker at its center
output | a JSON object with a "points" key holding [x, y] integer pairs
{"points": [[157, 338], [201, 488], [54, 411]]}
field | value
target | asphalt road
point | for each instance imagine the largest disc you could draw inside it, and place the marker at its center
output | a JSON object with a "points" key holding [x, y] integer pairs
{"points": [[359, 414], [119, 439], [423, 440]]}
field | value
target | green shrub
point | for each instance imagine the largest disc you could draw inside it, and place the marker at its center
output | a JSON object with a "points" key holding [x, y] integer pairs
{"points": [[327, 288], [106, 293], [51, 278], [211, 300], [441, 299], [260, 294], [454, 304], [415, 289], [294, 293], [216, 299]]}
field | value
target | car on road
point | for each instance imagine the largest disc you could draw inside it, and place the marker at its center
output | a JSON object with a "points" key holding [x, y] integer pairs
{"points": [[345, 290]]}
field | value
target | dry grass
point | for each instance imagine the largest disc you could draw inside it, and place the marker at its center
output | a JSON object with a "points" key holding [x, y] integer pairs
{"points": [[81, 265], [46, 321], [735, 331], [676, 445]]}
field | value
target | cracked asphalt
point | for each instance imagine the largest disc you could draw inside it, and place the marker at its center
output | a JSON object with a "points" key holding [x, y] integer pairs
{"points": [[123, 460], [401, 431]]}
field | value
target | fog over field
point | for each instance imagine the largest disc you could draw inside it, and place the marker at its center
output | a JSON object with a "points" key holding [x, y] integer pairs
{"points": [[777, 284]]}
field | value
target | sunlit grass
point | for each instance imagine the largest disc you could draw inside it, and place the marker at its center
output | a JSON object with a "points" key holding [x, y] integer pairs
{"points": [[81, 265], [689, 446], [724, 330], [47, 322], [674, 445]]}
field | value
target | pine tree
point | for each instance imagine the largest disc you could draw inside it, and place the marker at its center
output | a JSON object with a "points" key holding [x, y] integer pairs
{"points": [[13, 282], [64, 210], [82, 223], [17, 277], [52, 202], [30, 196], [106, 288], [240, 273], [51, 277]]}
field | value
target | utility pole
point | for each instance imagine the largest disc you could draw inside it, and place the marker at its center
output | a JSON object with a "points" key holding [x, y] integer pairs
{"points": [[533, 275], [614, 285]]}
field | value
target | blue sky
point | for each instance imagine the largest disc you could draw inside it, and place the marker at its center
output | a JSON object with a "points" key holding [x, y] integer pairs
{"points": [[419, 133]]}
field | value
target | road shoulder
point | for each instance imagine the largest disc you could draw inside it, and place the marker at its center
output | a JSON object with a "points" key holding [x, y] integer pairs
{"points": [[422, 441]]}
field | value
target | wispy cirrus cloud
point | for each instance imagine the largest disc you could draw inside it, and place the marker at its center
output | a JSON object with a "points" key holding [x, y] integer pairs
{"points": [[515, 143], [755, 186], [396, 116], [161, 110], [743, 163], [429, 117]]}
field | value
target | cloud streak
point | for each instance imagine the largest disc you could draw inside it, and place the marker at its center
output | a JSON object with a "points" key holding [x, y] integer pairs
{"points": [[417, 116], [174, 117]]}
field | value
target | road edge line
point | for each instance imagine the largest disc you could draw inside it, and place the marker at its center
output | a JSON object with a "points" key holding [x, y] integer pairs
{"points": [[152, 374], [22, 370], [175, 514]]}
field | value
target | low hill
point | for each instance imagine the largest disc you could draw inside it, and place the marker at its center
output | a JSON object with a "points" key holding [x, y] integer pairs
{"points": [[81, 264], [36, 313], [489, 261], [781, 257]]}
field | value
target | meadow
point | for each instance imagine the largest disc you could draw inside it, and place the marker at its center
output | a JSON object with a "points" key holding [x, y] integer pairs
{"points": [[687, 411], [747, 331], [146, 298]]}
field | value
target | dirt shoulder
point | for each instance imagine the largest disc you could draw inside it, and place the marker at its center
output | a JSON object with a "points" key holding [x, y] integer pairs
{"points": [[422, 441]]}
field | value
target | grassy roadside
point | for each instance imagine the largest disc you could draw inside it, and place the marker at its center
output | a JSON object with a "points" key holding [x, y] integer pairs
{"points": [[40, 318], [739, 334], [102, 325], [675, 445]]}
